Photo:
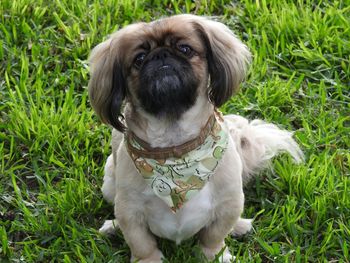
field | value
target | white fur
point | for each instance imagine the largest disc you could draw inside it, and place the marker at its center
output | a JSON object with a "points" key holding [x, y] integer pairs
{"points": [[242, 227], [163, 133], [109, 227], [183, 224], [108, 189], [258, 142], [226, 256]]}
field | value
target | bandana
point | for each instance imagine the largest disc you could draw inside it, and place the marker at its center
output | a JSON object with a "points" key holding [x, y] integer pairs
{"points": [[178, 173]]}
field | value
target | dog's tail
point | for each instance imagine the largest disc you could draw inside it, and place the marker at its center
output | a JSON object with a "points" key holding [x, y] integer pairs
{"points": [[257, 142]]}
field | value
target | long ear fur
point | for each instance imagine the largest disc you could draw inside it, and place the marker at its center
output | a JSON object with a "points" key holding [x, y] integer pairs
{"points": [[227, 57], [107, 86]]}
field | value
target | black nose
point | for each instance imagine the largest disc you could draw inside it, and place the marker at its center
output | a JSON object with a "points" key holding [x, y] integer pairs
{"points": [[160, 54]]}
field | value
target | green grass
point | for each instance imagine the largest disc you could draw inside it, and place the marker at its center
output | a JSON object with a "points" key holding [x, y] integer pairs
{"points": [[52, 146]]}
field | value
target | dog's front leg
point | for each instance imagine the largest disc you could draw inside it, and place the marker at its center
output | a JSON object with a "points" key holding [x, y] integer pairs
{"points": [[141, 241], [212, 237]]}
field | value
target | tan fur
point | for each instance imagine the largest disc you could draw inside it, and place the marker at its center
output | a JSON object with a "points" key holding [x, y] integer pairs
{"points": [[216, 210]]}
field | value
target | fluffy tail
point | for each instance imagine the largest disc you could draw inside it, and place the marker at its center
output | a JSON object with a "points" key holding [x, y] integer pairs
{"points": [[257, 142]]}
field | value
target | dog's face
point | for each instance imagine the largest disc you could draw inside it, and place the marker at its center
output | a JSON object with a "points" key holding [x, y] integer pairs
{"points": [[162, 67]]}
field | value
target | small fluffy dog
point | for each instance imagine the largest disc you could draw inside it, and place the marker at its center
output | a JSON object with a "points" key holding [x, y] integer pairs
{"points": [[177, 166]]}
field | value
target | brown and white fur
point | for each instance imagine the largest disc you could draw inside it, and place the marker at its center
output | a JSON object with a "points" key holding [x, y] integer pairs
{"points": [[216, 210]]}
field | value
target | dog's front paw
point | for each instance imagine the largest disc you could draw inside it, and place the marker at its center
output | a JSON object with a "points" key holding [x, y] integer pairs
{"points": [[226, 257], [242, 227], [155, 257], [212, 253], [108, 228]]}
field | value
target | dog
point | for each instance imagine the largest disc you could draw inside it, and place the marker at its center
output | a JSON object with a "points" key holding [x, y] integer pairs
{"points": [[178, 167]]}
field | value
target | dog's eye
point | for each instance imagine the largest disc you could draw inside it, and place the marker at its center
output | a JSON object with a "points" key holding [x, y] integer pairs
{"points": [[139, 60], [186, 50]]}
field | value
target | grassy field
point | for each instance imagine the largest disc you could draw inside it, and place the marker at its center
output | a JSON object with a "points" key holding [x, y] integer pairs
{"points": [[53, 148]]}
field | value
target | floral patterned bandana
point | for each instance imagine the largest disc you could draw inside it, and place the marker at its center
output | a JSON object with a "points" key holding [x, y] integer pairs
{"points": [[176, 179]]}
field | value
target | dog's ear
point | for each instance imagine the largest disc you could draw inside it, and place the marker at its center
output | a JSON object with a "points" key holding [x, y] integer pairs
{"points": [[227, 57], [107, 85]]}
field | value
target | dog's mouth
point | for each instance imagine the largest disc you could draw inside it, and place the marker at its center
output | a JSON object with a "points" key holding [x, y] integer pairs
{"points": [[167, 88], [165, 71], [164, 67]]}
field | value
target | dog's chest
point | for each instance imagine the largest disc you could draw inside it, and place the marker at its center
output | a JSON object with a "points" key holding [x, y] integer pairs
{"points": [[177, 174], [185, 222]]}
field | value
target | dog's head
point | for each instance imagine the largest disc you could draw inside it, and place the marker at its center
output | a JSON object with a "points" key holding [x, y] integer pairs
{"points": [[163, 66]]}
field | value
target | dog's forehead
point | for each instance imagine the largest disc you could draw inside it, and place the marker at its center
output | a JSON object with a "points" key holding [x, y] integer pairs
{"points": [[161, 31]]}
